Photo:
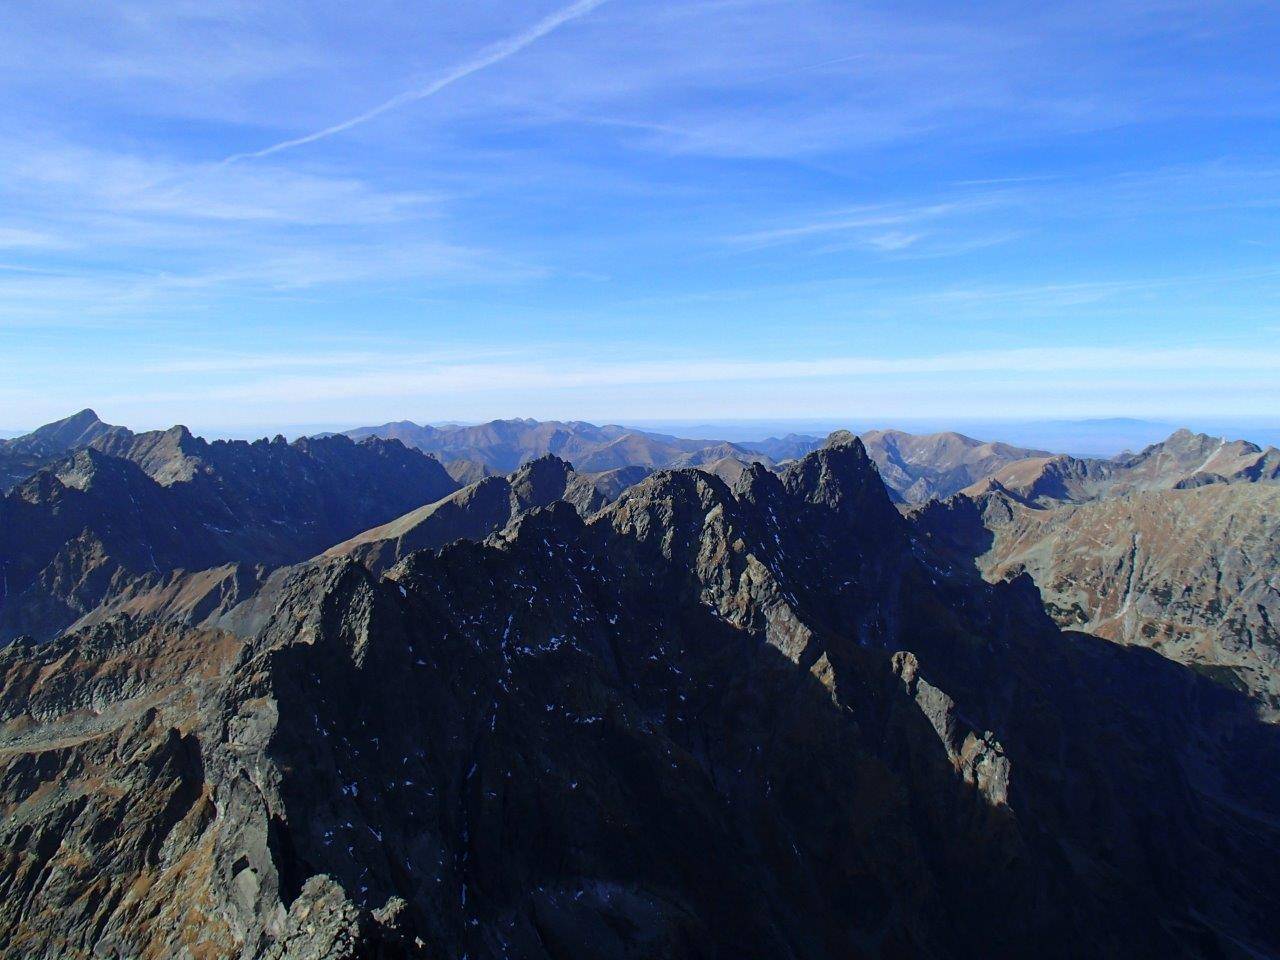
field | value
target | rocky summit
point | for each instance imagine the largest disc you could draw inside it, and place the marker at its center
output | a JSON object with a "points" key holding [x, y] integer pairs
{"points": [[772, 719]]}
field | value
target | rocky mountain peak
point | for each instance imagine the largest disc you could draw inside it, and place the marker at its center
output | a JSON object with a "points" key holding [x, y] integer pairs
{"points": [[841, 438], [1179, 444], [839, 475], [65, 435], [81, 469], [540, 481], [756, 483], [69, 427]]}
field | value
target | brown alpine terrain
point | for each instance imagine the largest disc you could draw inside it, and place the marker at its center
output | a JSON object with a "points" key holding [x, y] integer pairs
{"points": [[922, 467], [772, 719], [1176, 548]]}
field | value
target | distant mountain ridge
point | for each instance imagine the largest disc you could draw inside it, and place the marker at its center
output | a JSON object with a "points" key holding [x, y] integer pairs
{"points": [[1185, 459], [921, 467], [501, 446], [914, 467]]}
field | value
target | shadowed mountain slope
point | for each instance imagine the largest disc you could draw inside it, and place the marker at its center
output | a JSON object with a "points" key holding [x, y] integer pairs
{"points": [[1176, 548]]}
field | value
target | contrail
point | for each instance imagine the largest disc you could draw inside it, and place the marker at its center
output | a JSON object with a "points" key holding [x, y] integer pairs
{"points": [[490, 55]]}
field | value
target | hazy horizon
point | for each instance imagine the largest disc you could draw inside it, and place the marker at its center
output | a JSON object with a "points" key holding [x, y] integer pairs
{"points": [[1084, 437]]}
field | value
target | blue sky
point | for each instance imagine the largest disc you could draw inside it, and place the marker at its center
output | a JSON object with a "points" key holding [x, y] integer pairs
{"points": [[257, 214]]}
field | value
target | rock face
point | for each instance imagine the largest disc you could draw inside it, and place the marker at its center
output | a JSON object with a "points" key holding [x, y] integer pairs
{"points": [[93, 525], [1192, 573], [757, 721]]}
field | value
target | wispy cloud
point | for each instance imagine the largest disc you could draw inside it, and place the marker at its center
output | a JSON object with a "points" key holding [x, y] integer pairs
{"points": [[77, 298], [473, 381], [17, 238], [80, 181], [126, 237], [894, 240], [871, 217], [495, 53], [942, 228]]}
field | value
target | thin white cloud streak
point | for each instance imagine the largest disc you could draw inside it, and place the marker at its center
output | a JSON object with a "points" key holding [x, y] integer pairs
{"points": [[878, 218], [495, 53]]}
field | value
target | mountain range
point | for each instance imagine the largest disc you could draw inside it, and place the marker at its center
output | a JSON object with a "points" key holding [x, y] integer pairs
{"points": [[887, 696], [915, 468], [501, 446]]}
